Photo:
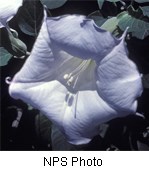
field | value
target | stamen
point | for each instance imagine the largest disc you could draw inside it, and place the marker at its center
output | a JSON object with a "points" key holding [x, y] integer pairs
{"points": [[66, 76], [82, 68], [70, 81], [75, 82], [74, 75], [79, 67]]}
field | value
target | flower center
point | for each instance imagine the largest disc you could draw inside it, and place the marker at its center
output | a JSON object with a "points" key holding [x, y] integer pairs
{"points": [[72, 77]]}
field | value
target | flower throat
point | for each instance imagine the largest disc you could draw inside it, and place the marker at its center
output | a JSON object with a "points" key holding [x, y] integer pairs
{"points": [[72, 78]]}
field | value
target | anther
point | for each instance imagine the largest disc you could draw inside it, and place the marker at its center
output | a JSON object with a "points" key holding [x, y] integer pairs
{"points": [[72, 78], [70, 81], [66, 76]]}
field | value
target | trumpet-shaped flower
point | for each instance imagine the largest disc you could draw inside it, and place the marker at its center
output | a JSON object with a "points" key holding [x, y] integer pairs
{"points": [[8, 8], [79, 76]]}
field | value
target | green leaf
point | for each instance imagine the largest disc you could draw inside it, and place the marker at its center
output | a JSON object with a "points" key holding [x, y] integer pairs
{"points": [[110, 24], [18, 47], [142, 1], [145, 80], [100, 3], [97, 17], [13, 45], [52, 4], [30, 17], [145, 10], [135, 21], [5, 56]]}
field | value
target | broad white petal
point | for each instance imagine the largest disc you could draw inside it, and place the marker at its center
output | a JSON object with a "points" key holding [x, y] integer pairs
{"points": [[8, 8], [80, 37], [48, 97], [85, 112], [118, 80]]}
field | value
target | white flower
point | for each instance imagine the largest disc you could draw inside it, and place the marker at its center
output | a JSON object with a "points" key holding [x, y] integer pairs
{"points": [[8, 8], [79, 76]]}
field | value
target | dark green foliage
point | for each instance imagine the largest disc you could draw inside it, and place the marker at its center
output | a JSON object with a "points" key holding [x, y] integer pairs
{"points": [[30, 17], [5, 56], [11, 42]]}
